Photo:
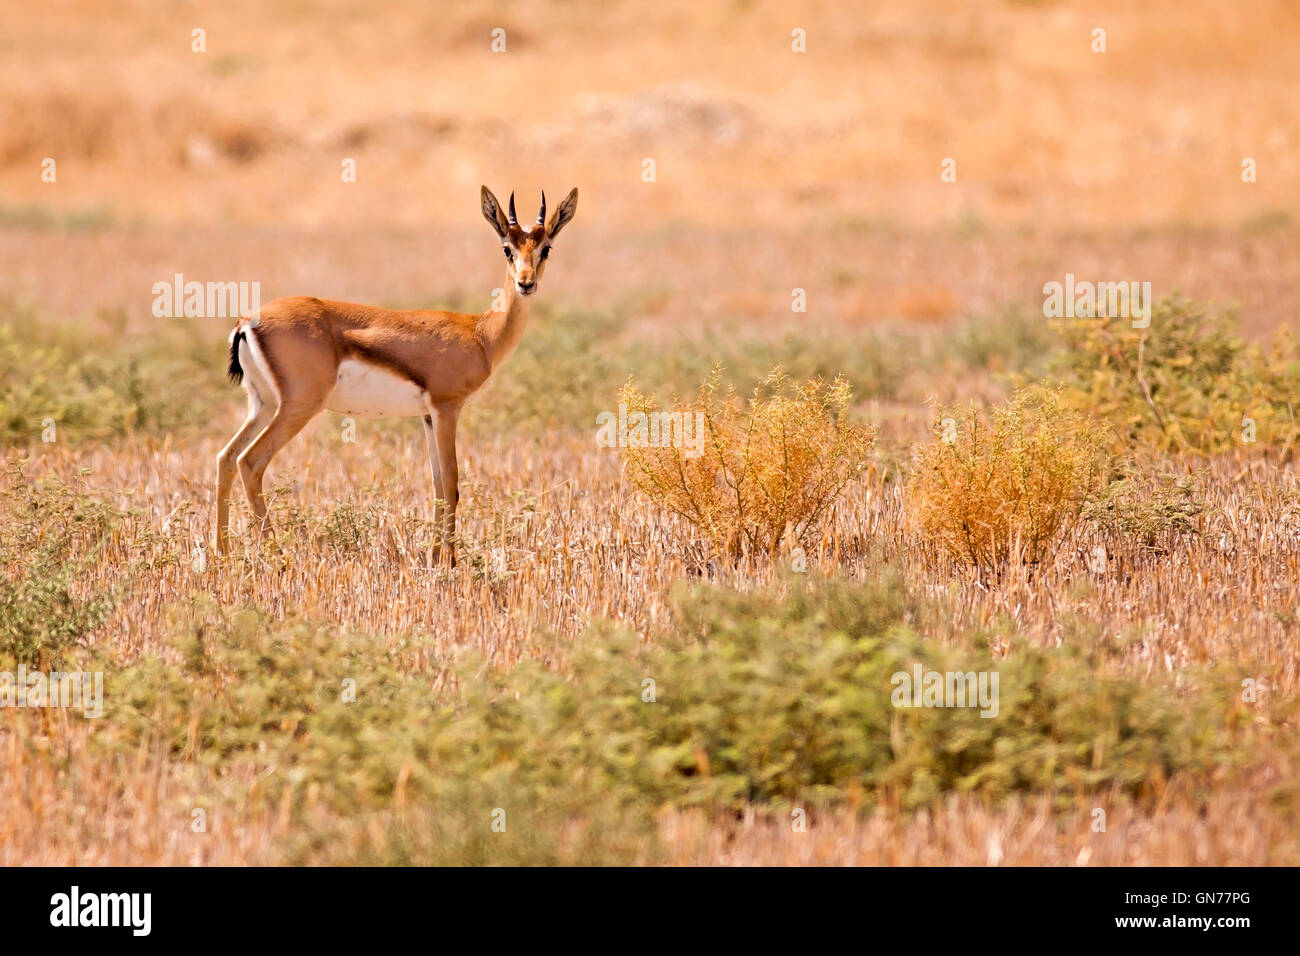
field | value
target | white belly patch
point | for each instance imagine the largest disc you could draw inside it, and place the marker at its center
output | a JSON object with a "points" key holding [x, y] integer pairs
{"points": [[368, 391]]}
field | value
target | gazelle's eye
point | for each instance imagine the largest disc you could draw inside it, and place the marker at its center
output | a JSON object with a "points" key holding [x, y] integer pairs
{"points": [[506, 250], [546, 251]]}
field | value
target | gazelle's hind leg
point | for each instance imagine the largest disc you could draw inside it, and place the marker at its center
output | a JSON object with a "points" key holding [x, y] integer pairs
{"points": [[259, 416], [299, 398], [261, 408], [289, 419]]}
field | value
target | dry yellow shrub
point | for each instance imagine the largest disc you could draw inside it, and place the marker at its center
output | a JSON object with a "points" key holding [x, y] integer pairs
{"points": [[988, 493], [762, 471]]}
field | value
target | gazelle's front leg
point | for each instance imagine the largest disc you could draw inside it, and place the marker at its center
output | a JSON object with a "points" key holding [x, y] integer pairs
{"points": [[435, 472], [445, 418]]}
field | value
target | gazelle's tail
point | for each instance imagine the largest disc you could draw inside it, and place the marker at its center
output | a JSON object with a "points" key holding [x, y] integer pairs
{"points": [[236, 370]]}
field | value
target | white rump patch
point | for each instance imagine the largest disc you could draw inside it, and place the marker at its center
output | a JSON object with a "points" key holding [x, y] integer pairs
{"points": [[258, 379], [368, 391]]}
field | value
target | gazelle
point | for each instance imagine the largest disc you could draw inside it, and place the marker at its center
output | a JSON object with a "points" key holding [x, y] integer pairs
{"points": [[298, 356]]}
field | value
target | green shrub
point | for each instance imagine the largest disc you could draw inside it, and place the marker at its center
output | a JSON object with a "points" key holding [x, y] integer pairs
{"points": [[1187, 383], [791, 700], [1013, 342], [94, 383], [51, 537], [873, 361], [427, 770], [567, 361], [755, 700], [1147, 508], [876, 361]]}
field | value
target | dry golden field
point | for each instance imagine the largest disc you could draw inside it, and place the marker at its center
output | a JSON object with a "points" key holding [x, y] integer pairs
{"points": [[490, 685]]}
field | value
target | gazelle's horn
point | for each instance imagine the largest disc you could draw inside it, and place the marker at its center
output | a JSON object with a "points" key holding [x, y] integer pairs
{"points": [[513, 220], [541, 213]]}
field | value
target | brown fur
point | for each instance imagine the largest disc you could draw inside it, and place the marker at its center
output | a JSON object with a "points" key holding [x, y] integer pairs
{"points": [[445, 354]]}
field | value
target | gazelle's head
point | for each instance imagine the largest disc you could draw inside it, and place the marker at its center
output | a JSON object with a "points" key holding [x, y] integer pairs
{"points": [[527, 248]]}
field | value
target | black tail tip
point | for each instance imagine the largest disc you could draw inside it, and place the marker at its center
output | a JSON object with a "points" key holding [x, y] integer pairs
{"points": [[235, 370]]}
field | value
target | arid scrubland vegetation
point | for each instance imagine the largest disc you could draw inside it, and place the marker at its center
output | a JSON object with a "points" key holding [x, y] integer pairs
{"points": [[645, 656]]}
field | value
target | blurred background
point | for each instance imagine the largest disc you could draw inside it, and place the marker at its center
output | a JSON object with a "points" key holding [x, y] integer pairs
{"points": [[773, 169]]}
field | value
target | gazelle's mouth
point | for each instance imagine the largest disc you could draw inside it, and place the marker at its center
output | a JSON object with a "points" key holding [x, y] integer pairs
{"points": [[528, 289]]}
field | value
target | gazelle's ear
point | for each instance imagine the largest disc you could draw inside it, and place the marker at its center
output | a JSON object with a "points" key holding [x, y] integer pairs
{"points": [[563, 213], [492, 213]]}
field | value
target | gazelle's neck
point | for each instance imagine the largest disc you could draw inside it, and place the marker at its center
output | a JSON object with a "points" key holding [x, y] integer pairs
{"points": [[500, 331]]}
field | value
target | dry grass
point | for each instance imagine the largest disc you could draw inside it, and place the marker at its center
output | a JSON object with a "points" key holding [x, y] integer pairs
{"points": [[558, 538], [1219, 831]]}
